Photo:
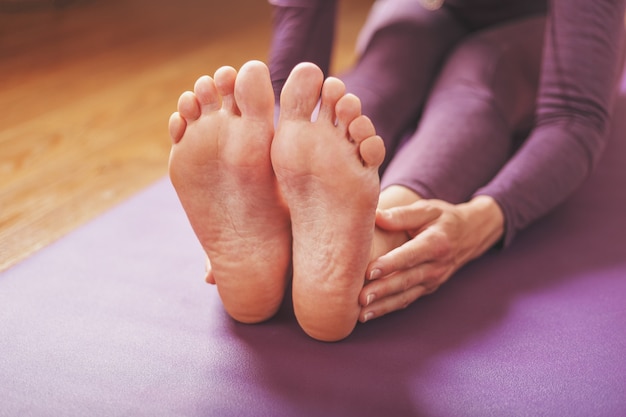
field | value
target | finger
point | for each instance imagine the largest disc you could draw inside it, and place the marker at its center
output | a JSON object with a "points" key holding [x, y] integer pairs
{"points": [[398, 282], [390, 304], [412, 216], [430, 245]]}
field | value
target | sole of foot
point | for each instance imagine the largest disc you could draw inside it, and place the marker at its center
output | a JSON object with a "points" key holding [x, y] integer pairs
{"points": [[327, 171], [221, 169]]}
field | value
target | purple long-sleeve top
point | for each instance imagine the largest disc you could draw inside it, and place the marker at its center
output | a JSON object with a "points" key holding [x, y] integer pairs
{"points": [[582, 61]]}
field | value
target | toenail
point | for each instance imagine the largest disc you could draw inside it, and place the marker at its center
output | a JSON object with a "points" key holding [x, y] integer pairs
{"points": [[375, 274], [368, 316]]}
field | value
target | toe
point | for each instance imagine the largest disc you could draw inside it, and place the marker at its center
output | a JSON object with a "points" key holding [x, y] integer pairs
{"points": [[332, 90], [347, 109], [177, 126], [301, 92], [225, 83], [253, 91], [188, 106], [372, 151], [361, 128], [209, 277], [206, 93]]}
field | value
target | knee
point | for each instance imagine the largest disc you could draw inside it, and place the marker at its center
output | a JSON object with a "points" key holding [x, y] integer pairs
{"points": [[388, 14], [500, 66]]}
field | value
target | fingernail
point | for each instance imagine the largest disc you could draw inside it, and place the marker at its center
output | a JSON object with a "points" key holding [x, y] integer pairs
{"points": [[369, 300], [385, 214], [375, 274], [368, 316]]}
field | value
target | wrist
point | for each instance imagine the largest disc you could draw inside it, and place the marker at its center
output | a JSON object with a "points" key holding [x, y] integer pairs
{"points": [[486, 222]]}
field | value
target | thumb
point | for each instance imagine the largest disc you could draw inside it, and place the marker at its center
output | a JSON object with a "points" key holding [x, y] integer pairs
{"points": [[410, 217]]}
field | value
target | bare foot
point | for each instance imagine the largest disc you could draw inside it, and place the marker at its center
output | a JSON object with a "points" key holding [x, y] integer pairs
{"points": [[221, 169], [328, 173]]}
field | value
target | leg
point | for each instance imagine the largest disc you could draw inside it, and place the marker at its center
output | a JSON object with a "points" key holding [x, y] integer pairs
{"points": [[402, 49], [328, 173], [302, 33], [484, 96], [220, 167]]}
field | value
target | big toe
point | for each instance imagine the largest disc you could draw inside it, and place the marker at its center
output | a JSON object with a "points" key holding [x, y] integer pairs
{"points": [[301, 92], [253, 91]]}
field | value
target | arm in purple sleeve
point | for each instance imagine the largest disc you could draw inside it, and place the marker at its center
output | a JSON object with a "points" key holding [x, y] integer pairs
{"points": [[583, 55], [303, 32]]}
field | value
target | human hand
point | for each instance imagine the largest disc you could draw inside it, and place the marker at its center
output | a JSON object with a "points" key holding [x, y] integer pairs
{"points": [[437, 248]]}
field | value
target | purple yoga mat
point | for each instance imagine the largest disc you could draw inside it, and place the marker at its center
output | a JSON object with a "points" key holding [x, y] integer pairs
{"points": [[115, 320]]}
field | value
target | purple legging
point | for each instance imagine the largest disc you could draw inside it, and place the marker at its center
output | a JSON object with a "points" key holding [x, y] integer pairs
{"points": [[472, 106], [479, 97]]}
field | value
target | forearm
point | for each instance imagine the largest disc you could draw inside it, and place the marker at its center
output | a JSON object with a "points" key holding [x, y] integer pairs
{"points": [[551, 166], [583, 56], [303, 32]]}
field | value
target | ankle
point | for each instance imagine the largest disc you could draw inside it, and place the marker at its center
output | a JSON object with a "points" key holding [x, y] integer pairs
{"points": [[397, 195], [384, 240]]}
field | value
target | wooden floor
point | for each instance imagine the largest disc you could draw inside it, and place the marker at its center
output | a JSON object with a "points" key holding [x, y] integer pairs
{"points": [[86, 91]]}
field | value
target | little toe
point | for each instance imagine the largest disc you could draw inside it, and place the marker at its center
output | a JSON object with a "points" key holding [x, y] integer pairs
{"points": [[301, 92], [206, 93], [347, 109], [209, 278], [332, 90], [177, 127], [188, 106], [225, 83], [372, 150]]}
